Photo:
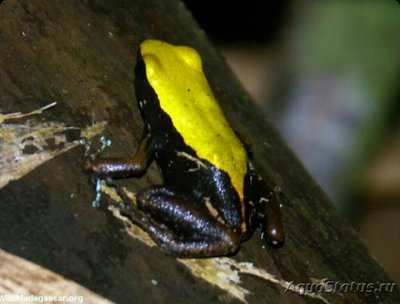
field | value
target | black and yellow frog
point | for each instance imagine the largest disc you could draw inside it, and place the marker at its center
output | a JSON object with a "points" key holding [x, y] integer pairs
{"points": [[212, 198]]}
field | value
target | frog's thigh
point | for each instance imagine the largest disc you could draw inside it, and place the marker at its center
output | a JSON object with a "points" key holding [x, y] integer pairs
{"points": [[190, 231]]}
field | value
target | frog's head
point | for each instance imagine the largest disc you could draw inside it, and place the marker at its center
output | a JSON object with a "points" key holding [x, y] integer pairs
{"points": [[161, 57]]}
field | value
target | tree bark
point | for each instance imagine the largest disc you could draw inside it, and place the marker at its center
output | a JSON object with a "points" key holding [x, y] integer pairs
{"points": [[27, 280], [82, 54]]}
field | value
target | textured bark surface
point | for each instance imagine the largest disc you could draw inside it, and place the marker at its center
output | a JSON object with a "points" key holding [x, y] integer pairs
{"points": [[27, 279], [82, 54]]}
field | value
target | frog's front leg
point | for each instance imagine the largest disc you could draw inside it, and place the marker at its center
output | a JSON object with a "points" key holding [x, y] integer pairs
{"points": [[124, 167], [267, 206], [182, 228]]}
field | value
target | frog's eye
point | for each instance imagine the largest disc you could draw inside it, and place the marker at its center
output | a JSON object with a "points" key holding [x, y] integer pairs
{"points": [[190, 56], [153, 65]]}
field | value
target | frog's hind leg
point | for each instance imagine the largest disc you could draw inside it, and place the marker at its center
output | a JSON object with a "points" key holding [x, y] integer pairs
{"points": [[182, 228]]}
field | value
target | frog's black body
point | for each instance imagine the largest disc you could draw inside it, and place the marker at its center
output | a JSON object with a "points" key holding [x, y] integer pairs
{"points": [[194, 181], [197, 213]]}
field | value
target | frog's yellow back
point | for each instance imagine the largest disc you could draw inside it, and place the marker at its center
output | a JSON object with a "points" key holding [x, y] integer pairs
{"points": [[176, 75]]}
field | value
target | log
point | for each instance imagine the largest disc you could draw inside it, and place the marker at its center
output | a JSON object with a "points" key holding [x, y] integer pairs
{"points": [[31, 283], [81, 54]]}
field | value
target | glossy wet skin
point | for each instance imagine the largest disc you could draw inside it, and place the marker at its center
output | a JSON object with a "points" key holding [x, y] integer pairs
{"points": [[212, 199]]}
